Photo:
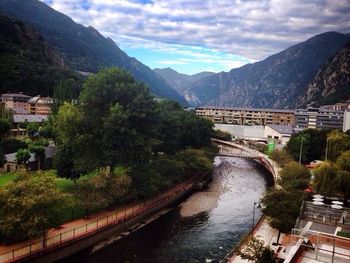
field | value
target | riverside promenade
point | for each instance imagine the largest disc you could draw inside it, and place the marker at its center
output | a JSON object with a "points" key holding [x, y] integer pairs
{"points": [[262, 229], [81, 229]]}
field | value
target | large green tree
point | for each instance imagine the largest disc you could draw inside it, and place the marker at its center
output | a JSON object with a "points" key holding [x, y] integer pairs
{"points": [[338, 142], [325, 178], [29, 206], [282, 208], [294, 177]]}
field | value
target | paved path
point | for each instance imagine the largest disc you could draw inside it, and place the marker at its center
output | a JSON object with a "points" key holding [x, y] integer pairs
{"points": [[264, 232], [87, 226]]}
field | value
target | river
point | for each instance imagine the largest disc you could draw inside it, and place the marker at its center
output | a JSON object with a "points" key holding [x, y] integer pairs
{"points": [[203, 228]]}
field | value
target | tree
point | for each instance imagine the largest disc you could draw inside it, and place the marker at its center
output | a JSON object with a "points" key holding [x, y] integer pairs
{"points": [[343, 161], [39, 152], [64, 164], [343, 183], [282, 158], [5, 127], [294, 177], [297, 144], [222, 135], [101, 190], [314, 145], [32, 129], [325, 178], [256, 251], [282, 209], [23, 156], [29, 206], [338, 142]]}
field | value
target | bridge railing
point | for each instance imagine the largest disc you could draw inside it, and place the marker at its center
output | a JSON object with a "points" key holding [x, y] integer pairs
{"points": [[48, 243]]}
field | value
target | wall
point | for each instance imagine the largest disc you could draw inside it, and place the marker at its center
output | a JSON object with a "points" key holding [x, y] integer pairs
{"points": [[241, 131]]}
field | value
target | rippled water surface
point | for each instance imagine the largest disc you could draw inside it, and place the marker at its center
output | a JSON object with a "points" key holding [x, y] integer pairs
{"points": [[201, 229]]}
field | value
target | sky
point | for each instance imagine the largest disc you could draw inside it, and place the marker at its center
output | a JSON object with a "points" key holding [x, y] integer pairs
{"points": [[191, 36]]}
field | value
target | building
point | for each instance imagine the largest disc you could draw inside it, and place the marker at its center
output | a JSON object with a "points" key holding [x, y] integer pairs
{"points": [[280, 133], [39, 105], [15, 101], [346, 120], [18, 130], [318, 118], [247, 116], [11, 164]]}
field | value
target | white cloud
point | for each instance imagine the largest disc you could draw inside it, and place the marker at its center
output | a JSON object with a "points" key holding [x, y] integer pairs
{"points": [[252, 29]]}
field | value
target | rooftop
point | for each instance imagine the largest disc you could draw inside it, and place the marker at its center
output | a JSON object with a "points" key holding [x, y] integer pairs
{"points": [[19, 118], [283, 129], [14, 95], [246, 109]]}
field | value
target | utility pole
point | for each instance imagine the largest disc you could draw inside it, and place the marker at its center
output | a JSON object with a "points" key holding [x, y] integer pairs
{"points": [[326, 149], [301, 148]]}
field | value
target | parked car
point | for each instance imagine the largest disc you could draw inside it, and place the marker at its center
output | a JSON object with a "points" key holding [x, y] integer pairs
{"points": [[314, 164]]}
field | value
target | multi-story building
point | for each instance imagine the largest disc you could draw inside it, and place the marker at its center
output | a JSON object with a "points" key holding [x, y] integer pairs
{"points": [[346, 120], [318, 118], [15, 101], [39, 105], [247, 116]]}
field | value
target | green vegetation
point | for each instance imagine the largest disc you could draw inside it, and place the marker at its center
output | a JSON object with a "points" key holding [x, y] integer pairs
{"points": [[315, 144], [334, 178], [256, 251], [282, 209], [6, 179], [222, 135], [116, 144], [294, 177], [28, 63], [29, 206], [343, 234]]}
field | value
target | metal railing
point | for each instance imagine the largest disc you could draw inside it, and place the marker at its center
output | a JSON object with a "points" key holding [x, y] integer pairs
{"points": [[49, 243]]}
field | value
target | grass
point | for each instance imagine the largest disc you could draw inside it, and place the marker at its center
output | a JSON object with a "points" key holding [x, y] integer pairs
{"points": [[6, 178], [65, 185], [343, 234]]}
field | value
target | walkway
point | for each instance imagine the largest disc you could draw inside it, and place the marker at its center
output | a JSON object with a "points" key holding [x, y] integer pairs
{"points": [[81, 228]]}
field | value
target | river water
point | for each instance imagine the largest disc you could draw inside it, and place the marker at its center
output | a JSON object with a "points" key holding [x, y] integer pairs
{"points": [[204, 228]]}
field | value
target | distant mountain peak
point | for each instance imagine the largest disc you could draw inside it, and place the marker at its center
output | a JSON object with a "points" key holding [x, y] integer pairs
{"points": [[275, 82]]}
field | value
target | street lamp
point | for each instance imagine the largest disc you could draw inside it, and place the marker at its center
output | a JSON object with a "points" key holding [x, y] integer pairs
{"points": [[257, 205], [327, 148], [301, 148]]}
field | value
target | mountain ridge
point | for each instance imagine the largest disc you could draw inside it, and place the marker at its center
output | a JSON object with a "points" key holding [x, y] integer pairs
{"points": [[84, 48], [27, 62], [180, 81], [274, 82]]}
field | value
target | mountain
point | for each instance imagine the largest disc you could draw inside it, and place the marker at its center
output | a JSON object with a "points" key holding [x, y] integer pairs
{"points": [[178, 81], [332, 82], [27, 63], [276, 82], [84, 48]]}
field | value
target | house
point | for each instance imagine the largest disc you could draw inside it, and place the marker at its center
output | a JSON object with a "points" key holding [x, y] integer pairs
{"points": [[18, 119], [11, 164], [39, 105], [15, 101], [280, 133]]}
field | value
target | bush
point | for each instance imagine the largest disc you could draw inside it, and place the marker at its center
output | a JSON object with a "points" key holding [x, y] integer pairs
{"points": [[282, 158], [222, 135]]}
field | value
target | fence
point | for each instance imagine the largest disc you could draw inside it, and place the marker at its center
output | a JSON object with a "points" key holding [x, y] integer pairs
{"points": [[323, 247], [52, 242]]}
